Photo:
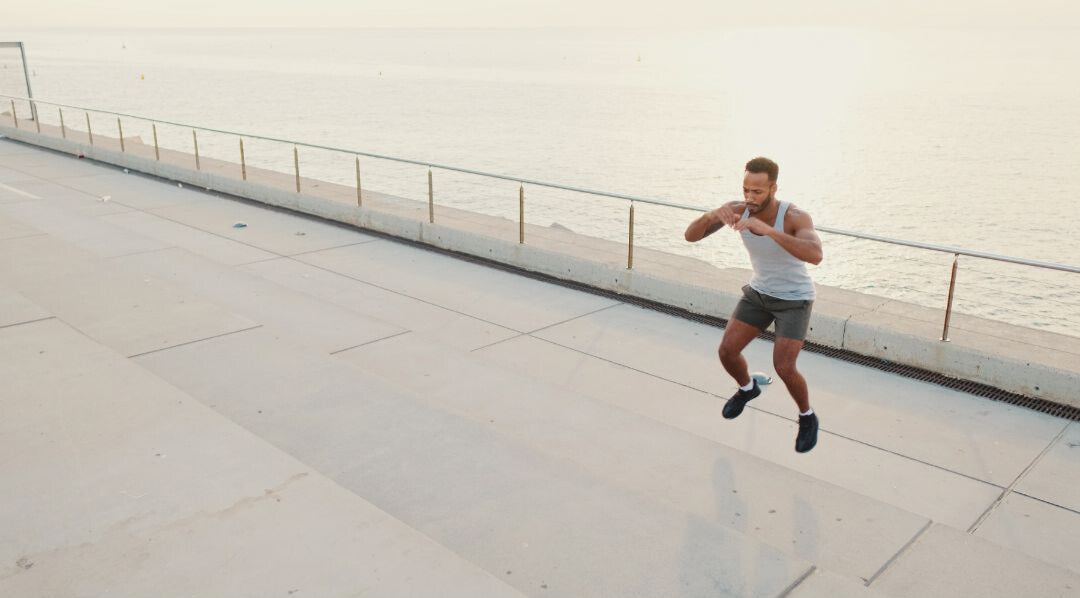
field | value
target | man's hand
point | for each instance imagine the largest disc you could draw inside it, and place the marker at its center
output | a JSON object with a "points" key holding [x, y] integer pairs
{"points": [[725, 214], [713, 220], [753, 225]]}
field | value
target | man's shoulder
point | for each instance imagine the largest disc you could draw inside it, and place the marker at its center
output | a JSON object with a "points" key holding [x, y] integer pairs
{"points": [[796, 218]]}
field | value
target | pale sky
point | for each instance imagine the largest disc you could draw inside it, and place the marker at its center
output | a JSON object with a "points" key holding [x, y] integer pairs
{"points": [[539, 13]]}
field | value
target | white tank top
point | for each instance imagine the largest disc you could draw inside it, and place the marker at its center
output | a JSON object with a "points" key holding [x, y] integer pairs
{"points": [[777, 273]]}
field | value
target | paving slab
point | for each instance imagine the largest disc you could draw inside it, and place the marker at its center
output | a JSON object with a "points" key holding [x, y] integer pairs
{"points": [[171, 233], [324, 326], [74, 200], [15, 308], [949, 562], [1054, 477], [443, 325], [269, 229], [909, 484], [9, 176], [502, 298], [1044, 531], [8, 147], [13, 228], [541, 524], [82, 230], [49, 165], [136, 191], [826, 584], [987, 440], [124, 486], [14, 193], [842, 530], [129, 312]]}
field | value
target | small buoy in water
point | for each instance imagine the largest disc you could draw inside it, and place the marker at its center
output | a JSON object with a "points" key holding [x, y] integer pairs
{"points": [[762, 378]]}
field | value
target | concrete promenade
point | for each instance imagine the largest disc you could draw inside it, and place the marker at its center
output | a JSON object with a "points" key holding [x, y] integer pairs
{"points": [[297, 408]]}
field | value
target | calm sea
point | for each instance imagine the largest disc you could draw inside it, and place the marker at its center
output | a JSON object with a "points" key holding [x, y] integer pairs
{"points": [[965, 138]]}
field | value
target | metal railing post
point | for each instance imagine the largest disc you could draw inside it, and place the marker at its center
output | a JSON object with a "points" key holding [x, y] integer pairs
{"points": [[360, 199], [26, 75], [157, 152], [195, 139], [33, 113], [14, 116], [63, 129], [521, 214], [89, 133], [948, 304], [243, 161], [430, 198], [120, 127], [296, 166], [630, 250]]}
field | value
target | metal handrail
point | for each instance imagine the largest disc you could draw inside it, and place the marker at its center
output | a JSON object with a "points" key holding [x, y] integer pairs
{"points": [[956, 251], [525, 180]]}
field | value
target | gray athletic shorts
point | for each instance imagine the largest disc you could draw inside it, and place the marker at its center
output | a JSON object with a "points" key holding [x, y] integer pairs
{"points": [[759, 310]]}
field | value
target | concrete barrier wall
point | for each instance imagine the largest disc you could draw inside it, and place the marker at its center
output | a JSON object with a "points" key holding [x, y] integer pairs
{"points": [[1022, 360]]}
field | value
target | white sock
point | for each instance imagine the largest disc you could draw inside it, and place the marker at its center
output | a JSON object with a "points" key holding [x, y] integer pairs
{"points": [[749, 386], [809, 411]]}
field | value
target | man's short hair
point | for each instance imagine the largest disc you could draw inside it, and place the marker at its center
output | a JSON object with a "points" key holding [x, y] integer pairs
{"points": [[760, 164]]}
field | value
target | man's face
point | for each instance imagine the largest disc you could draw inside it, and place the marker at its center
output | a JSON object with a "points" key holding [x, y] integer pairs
{"points": [[757, 191]]}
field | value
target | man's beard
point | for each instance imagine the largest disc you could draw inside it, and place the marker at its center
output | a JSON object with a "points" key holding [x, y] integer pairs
{"points": [[768, 200]]}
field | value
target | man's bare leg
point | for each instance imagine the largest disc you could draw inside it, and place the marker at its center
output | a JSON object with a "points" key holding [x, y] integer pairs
{"points": [[737, 335], [785, 353]]}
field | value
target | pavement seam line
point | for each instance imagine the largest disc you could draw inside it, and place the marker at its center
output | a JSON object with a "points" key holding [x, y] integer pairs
{"points": [[1047, 502], [373, 240], [143, 252], [769, 413], [371, 342], [27, 322], [791, 588], [19, 191], [899, 553], [616, 304], [195, 341], [1007, 491], [399, 293], [24, 236]]}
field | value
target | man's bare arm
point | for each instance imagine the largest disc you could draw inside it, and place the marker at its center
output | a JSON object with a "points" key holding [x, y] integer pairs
{"points": [[712, 221], [804, 243]]}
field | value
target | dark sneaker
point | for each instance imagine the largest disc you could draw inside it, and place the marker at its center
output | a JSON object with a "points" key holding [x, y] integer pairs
{"points": [[735, 404], [807, 437]]}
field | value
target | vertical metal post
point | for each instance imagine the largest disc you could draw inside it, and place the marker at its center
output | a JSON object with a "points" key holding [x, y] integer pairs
{"points": [[243, 161], [13, 115], [948, 304], [121, 129], [430, 198], [521, 214], [359, 195], [195, 139], [89, 133], [26, 74], [33, 112], [296, 166], [630, 251], [157, 152], [63, 129]]}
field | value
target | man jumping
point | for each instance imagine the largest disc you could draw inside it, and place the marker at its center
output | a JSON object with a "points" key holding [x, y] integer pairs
{"points": [[780, 239]]}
